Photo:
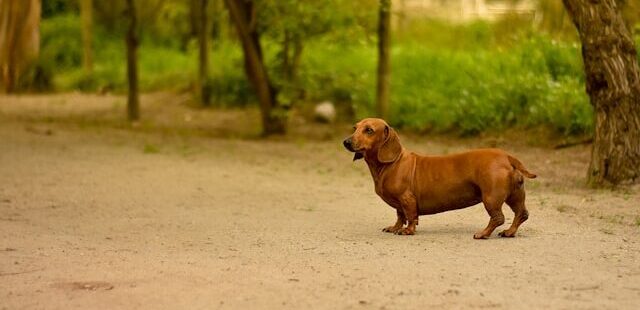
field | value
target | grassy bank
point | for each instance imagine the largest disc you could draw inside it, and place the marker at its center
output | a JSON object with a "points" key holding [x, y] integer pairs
{"points": [[466, 79]]}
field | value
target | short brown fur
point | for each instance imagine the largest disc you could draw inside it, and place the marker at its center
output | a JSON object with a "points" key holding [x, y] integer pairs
{"points": [[418, 185]]}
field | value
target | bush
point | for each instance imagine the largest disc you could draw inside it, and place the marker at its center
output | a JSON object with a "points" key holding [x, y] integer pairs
{"points": [[537, 82], [339, 73], [61, 46], [445, 78], [227, 82], [474, 92], [160, 67]]}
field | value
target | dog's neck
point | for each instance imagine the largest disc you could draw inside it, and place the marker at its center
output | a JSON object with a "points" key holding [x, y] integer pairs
{"points": [[376, 167]]}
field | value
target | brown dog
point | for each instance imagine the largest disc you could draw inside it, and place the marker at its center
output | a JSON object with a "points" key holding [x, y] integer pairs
{"points": [[417, 185]]}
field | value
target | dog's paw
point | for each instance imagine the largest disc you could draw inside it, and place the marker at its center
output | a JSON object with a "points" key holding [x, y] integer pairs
{"points": [[506, 234], [391, 229], [405, 232], [479, 236]]}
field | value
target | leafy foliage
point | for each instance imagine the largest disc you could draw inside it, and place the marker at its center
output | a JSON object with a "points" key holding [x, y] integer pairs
{"points": [[465, 78]]}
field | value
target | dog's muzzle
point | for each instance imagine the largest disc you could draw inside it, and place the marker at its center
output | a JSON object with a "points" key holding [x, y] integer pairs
{"points": [[348, 144]]}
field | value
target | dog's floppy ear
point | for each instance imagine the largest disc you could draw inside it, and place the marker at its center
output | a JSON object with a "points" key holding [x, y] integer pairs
{"points": [[357, 156], [391, 148]]}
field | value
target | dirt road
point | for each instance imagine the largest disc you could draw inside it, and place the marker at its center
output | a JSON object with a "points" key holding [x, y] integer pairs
{"points": [[106, 217]]}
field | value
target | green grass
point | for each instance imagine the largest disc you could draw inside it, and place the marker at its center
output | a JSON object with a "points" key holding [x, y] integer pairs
{"points": [[537, 82], [466, 79], [160, 67], [150, 149]]}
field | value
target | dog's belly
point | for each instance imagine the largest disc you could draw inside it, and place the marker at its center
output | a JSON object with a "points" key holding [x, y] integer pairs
{"points": [[455, 197]]}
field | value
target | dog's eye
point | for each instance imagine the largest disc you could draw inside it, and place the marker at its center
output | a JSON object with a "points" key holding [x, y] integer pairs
{"points": [[368, 131]]}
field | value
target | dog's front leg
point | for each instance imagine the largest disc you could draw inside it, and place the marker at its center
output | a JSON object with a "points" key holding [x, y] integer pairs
{"points": [[399, 222], [410, 210]]}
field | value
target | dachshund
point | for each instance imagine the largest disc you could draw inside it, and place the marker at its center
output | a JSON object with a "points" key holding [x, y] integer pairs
{"points": [[419, 185]]}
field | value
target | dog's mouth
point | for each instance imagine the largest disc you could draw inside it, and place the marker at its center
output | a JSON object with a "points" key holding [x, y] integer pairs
{"points": [[357, 156], [348, 144], [358, 153]]}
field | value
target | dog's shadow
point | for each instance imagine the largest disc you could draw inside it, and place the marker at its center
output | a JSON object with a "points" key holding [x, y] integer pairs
{"points": [[434, 229], [459, 230]]}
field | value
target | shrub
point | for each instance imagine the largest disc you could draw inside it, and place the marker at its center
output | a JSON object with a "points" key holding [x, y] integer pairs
{"points": [[445, 78]]}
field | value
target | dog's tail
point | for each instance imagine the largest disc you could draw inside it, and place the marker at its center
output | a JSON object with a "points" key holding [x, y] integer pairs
{"points": [[520, 167]]}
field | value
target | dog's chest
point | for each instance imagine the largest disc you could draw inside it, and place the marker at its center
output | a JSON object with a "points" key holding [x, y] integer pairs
{"points": [[390, 192]]}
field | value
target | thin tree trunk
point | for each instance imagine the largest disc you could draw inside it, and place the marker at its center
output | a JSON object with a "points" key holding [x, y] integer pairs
{"points": [[194, 20], [613, 85], [203, 65], [297, 58], [243, 15], [286, 64], [216, 20], [291, 57], [86, 12], [295, 67], [133, 110], [19, 39], [384, 71]]}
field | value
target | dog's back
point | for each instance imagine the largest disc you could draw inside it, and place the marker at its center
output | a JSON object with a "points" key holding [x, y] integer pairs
{"points": [[456, 181]]}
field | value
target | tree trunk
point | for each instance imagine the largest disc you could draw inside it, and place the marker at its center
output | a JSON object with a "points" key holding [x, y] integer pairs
{"points": [[194, 20], [133, 110], [242, 13], [19, 39], [613, 85], [295, 60], [291, 58], [216, 20], [203, 65], [286, 63], [384, 73], [86, 12]]}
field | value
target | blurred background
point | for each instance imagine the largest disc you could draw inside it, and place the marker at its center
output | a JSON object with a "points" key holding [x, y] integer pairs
{"points": [[457, 66]]}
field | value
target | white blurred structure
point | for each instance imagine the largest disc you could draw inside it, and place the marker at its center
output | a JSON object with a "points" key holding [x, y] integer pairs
{"points": [[463, 10], [325, 112]]}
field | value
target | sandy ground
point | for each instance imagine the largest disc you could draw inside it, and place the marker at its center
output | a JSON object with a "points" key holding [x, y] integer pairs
{"points": [[96, 214]]}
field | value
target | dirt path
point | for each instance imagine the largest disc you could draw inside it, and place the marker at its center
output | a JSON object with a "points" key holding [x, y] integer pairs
{"points": [[105, 217]]}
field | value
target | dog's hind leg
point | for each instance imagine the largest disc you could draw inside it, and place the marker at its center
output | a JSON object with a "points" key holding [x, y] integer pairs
{"points": [[516, 202], [493, 204]]}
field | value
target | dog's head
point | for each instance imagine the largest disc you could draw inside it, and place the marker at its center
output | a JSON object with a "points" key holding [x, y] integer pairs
{"points": [[374, 137]]}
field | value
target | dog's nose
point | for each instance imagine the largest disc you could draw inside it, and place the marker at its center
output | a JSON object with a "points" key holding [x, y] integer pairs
{"points": [[347, 143]]}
